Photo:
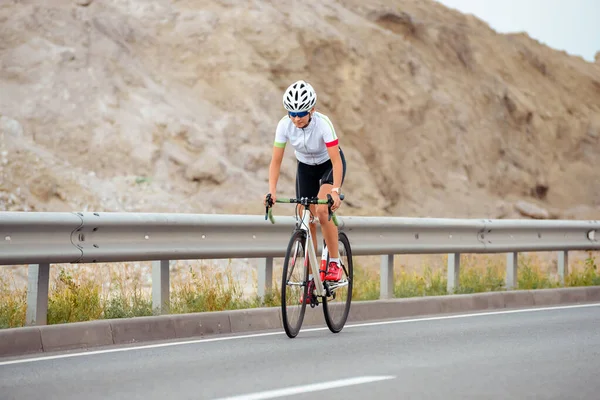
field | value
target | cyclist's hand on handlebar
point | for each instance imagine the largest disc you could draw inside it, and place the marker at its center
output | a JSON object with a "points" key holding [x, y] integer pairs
{"points": [[272, 197], [336, 201]]}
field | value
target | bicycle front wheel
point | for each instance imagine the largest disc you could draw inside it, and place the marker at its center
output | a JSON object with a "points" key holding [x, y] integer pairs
{"points": [[336, 305], [294, 284]]}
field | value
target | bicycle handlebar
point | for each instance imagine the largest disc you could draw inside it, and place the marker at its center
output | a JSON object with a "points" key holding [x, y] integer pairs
{"points": [[305, 201]]}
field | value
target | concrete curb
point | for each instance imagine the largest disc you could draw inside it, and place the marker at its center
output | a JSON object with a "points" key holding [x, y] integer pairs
{"points": [[75, 335], [83, 335]]}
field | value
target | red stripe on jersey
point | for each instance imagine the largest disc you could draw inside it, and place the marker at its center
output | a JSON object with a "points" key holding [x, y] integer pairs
{"points": [[331, 144]]}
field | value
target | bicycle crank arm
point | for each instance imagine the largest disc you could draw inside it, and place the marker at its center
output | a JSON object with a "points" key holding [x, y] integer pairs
{"points": [[319, 288], [334, 286]]}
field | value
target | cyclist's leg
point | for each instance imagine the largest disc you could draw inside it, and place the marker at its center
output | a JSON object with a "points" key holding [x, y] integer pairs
{"points": [[328, 228], [307, 185]]}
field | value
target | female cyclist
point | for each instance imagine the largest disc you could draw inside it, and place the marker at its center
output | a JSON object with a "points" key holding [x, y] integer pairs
{"points": [[321, 166]]}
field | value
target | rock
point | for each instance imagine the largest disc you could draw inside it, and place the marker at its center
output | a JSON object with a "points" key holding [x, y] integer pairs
{"points": [[540, 190], [597, 57], [531, 210], [256, 158], [518, 105], [208, 168], [83, 3], [583, 212], [593, 130], [177, 153], [502, 209], [10, 127], [397, 22], [43, 187]]}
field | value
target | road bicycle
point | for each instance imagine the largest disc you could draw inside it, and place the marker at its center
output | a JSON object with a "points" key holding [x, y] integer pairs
{"points": [[300, 259]]}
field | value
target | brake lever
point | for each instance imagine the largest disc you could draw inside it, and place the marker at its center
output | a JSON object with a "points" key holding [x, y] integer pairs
{"points": [[269, 204]]}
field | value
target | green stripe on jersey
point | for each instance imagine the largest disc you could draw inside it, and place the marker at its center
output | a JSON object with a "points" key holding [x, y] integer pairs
{"points": [[281, 145], [330, 125]]}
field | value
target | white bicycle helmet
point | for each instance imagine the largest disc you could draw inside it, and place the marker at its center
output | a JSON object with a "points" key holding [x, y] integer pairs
{"points": [[299, 96]]}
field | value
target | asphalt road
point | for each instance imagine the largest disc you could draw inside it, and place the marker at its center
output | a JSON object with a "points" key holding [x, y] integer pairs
{"points": [[531, 354]]}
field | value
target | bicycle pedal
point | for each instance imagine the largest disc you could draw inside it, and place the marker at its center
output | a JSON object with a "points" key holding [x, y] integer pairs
{"points": [[329, 292], [314, 301]]}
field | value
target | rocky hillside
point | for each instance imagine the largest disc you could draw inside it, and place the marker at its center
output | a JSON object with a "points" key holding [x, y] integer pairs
{"points": [[171, 106]]}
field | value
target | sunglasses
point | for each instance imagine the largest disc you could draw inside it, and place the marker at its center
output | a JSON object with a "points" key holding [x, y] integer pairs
{"points": [[300, 114]]}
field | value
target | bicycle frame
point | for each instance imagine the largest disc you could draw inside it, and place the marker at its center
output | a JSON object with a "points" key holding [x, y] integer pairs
{"points": [[310, 253]]}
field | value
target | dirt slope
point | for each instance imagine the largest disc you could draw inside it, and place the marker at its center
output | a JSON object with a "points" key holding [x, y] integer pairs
{"points": [[171, 106]]}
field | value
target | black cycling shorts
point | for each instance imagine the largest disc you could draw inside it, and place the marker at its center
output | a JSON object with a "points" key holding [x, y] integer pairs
{"points": [[309, 178]]}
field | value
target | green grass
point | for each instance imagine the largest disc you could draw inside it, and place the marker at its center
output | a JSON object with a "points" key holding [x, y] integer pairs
{"points": [[13, 305], [478, 273], [77, 294]]}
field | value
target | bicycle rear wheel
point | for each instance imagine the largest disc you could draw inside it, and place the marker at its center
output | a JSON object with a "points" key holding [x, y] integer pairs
{"points": [[337, 306], [294, 284]]}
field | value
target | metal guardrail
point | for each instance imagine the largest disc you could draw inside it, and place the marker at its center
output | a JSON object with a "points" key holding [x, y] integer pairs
{"points": [[41, 238]]}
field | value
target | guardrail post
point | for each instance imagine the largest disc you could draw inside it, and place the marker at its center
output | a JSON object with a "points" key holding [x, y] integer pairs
{"points": [[38, 280], [453, 272], [160, 286], [265, 276], [511, 270], [563, 266], [386, 274]]}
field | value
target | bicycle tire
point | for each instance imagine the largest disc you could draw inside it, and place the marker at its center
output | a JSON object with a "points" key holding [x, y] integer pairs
{"points": [[291, 328], [337, 326]]}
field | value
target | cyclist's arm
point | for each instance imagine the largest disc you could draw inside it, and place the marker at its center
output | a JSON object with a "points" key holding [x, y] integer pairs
{"points": [[277, 156], [332, 143], [336, 161], [275, 166]]}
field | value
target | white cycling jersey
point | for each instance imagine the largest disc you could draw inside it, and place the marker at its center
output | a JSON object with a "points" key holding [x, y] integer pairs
{"points": [[310, 143]]}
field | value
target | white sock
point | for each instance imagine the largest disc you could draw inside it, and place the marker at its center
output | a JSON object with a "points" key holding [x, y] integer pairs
{"points": [[335, 260], [310, 277]]}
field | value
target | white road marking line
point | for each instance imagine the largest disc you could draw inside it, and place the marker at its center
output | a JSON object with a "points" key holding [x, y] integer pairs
{"points": [[525, 310], [348, 326], [315, 387]]}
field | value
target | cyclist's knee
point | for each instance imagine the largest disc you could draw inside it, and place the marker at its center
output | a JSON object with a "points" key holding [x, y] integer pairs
{"points": [[322, 214]]}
